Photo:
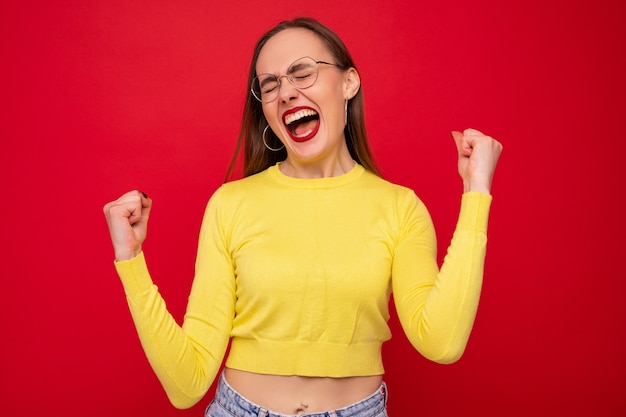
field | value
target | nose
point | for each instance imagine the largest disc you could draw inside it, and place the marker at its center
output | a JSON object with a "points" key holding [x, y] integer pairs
{"points": [[286, 90]]}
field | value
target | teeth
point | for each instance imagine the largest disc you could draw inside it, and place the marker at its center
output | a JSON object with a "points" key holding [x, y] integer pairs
{"points": [[299, 115]]}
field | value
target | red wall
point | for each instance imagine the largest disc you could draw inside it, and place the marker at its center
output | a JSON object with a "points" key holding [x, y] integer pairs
{"points": [[99, 97]]}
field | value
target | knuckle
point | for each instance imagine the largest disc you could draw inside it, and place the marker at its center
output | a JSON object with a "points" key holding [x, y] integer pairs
{"points": [[114, 209]]}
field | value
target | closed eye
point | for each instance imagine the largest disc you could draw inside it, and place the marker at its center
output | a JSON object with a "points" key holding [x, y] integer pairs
{"points": [[268, 84], [301, 76]]}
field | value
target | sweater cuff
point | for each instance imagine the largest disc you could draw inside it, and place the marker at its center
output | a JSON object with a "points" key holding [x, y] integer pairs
{"points": [[134, 274], [474, 213]]}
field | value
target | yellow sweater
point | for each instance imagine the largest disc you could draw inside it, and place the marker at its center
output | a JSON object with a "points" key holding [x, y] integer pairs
{"points": [[298, 272]]}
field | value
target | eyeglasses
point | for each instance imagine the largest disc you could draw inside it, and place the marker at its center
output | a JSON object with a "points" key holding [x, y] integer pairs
{"points": [[302, 74]]}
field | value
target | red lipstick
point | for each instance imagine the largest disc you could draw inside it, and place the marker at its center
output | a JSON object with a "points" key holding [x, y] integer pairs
{"points": [[302, 123]]}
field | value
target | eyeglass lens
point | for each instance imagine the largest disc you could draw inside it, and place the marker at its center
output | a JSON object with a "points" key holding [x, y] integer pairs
{"points": [[301, 74]]}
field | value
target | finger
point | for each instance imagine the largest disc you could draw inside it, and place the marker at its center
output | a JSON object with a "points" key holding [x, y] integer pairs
{"points": [[146, 205], [476, 140], [458, 138], [139, 205], [145, 200], [132, 206], [462, 145], [473, 132]]}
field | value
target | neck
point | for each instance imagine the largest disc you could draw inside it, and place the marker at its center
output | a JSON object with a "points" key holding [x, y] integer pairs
{"points": [[324, 169]]}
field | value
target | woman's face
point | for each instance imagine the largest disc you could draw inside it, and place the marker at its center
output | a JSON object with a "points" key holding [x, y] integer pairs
{"points": [[310, 121]]}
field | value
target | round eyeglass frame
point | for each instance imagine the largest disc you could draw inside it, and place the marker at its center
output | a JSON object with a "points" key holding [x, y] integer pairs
{"points": [[299, 85]]}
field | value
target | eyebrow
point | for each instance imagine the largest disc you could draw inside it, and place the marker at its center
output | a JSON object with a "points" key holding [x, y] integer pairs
{"points": [[269, 78], [297, 67]]}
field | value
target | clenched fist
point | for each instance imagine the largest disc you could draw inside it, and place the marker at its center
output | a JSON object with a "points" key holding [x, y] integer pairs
{"points": [[127, 218], [478, 157]]}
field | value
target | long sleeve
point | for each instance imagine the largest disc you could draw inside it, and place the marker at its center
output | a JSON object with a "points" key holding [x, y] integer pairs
{"points": [[292, 269], [437, 307], [186, 358]]}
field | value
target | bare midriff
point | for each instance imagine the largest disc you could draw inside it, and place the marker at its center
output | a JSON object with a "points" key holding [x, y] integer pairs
{"points": [[300, 394]]}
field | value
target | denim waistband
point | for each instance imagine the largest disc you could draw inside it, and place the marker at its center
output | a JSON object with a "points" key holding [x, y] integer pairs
{"points": [[238, 405]]}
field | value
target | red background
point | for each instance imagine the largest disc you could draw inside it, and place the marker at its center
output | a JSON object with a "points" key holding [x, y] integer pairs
{"points": [[99, 97]]}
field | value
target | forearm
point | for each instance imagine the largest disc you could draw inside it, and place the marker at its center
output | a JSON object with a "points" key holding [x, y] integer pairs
{"points": [[184, 367], [450, 308], [437, 307]]}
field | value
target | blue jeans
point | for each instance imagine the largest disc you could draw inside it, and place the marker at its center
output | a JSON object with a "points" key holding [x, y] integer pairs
{"points": [[229, 403]]}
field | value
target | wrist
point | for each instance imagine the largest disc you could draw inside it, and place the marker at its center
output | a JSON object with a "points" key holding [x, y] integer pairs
{"points": [[126, 255], [477, 186]]}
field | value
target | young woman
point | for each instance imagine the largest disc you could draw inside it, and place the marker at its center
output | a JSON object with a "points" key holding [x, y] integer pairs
{"points": [[296, 262]]}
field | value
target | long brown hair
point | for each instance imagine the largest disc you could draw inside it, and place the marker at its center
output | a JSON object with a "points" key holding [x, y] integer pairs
{"points": [[256, 156]]}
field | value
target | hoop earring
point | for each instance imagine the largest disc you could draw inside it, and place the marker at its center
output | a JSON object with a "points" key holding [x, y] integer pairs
{"points": [[265, 143]]}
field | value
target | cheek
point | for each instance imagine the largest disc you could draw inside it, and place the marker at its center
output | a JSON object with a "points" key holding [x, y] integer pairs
{"points": [[332, 105], [339, 101], [334, 111], [270, 113]]}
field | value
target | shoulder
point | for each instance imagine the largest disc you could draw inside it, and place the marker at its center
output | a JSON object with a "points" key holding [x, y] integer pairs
{"points": [[241, 187], [229, 197], [235, 199], [383, 187]]}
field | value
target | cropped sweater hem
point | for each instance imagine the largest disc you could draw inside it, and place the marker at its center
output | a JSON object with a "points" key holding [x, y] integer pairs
{"points": [[304, 358]]}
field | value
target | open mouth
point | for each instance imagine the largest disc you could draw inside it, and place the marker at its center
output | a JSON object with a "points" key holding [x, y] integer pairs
{"points": [[302, 123]]}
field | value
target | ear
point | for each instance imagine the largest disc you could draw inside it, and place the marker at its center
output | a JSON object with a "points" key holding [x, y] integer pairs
{"points": [[352, 83]]}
